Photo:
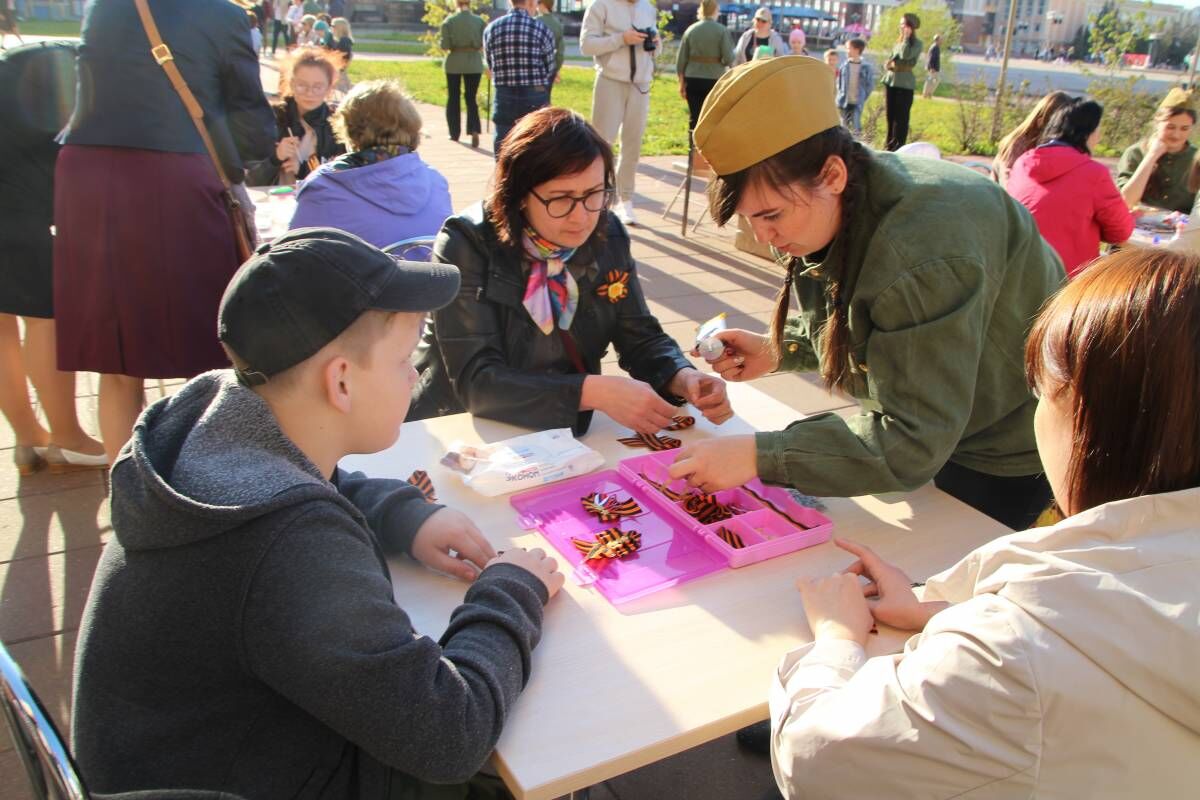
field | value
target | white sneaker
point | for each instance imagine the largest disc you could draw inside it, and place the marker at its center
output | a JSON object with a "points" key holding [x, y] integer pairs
{"points": [[624, 212]]}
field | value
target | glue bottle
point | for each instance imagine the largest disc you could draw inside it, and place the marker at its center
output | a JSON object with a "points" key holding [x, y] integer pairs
{"points": [[708, 344]]}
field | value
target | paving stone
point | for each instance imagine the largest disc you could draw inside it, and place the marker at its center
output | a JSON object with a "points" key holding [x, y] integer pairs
{"points": [[39, 524]]}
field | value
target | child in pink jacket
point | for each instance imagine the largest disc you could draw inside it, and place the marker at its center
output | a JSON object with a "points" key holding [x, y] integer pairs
{"points": [[1072, 196]]}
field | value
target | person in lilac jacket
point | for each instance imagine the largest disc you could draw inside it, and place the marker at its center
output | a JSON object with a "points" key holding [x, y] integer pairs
{"points": [[1072, 196], [381, 190]]}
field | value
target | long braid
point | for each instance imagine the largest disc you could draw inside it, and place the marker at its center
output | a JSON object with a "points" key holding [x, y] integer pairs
{"points": [[782, 300], [835, 334]]}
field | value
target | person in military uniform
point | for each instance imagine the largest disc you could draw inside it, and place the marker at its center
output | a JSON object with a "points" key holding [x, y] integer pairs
{"points": [[462, 39], [900, 82], [547, 17], [916, 280], [1157, 172], [705, 52]]}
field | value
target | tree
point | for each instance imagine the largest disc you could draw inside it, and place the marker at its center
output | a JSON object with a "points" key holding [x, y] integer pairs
{"points": [[436, 12], [935, 18]]}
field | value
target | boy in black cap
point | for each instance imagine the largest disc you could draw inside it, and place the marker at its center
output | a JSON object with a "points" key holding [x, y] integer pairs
{"points": [[241, 634]]}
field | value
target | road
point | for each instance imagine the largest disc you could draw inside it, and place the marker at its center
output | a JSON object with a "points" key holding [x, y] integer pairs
{"points": [[1042, 77]]}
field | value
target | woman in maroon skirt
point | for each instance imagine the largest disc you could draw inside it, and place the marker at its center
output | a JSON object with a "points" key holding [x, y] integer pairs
{"points": [[144, 245]]}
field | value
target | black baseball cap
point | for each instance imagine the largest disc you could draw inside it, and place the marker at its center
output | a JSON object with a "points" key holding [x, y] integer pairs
{"points": [[300, 292]]}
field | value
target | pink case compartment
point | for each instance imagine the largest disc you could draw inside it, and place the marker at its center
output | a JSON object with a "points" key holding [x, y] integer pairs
{"points": [[675, 547]]}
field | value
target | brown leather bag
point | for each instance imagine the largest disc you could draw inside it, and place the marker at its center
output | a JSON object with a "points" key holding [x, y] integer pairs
{"points": [[243, 232]]}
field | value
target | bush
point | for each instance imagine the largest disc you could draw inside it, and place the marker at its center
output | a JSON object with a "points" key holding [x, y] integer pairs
{"points": [[1128, 113]]}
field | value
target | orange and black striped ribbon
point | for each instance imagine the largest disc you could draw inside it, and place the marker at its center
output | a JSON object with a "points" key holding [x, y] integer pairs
{"points": [[420, 479], [681, 423], [663, 489], [608, 508], [610, 543], [705, 508], [730, 538], [650, 441]]}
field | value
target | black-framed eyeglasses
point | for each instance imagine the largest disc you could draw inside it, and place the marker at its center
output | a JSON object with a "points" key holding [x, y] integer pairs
{"points": [[559, 207]]}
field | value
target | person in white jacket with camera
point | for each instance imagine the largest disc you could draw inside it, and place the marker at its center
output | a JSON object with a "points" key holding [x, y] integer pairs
{"points": [[1057, 662], [621, 36]]}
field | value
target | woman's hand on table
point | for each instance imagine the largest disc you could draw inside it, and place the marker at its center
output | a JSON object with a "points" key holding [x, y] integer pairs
{"points": [[836, 608], [449, 542], [747, 356], [711, 465], [536, 561], [889, 593], [631, 403], [705, 392]]}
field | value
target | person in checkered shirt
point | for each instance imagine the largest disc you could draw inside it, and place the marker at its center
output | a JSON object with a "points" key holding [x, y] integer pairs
{"points": [[520, 58]]}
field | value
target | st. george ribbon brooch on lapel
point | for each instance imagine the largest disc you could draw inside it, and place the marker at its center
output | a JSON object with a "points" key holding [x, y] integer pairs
{"points": [[420, 479], [610, 543], [616, 288], [608, 508]]}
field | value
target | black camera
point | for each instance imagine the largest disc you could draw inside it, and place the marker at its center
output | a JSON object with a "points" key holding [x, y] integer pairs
{"points": [[650, 43]]}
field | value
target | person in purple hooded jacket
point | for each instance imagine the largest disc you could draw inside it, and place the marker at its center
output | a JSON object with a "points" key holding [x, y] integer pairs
{"points": [[381, 190]]}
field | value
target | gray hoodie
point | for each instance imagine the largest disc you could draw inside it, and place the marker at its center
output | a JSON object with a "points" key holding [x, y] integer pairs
{"points": [[241, 634]]}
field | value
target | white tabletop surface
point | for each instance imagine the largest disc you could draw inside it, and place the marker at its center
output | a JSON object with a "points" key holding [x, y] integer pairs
{"points": [[615, 688]]}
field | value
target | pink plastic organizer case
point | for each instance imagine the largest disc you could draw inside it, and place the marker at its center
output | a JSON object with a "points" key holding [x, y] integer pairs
{"points": [[675, 547]]}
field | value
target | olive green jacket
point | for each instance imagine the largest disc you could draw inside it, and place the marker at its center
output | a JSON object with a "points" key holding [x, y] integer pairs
{"points": [[905, 56], [556, 28], [708, 41], [945, 274], [462, 39], [1167, 188]]}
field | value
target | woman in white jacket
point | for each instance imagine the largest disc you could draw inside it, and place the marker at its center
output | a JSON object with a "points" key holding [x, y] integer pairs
{"points": [[1056, 662]]}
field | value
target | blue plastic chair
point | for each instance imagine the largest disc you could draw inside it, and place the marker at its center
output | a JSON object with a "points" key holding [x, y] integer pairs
{"points": [[415, 248]]}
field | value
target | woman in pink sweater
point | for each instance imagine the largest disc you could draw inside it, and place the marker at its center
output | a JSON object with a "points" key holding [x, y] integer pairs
{"points": [[1072, 196]]}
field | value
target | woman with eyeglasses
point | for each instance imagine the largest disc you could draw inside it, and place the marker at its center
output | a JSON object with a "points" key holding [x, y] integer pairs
{"points": [[304, 133], [548, 286]]}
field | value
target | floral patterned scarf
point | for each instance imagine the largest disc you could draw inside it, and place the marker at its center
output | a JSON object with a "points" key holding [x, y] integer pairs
{"points": [[551, 294]]}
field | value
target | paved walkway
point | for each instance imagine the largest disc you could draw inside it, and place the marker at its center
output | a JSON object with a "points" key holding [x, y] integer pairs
{"points": [[52, 528]]}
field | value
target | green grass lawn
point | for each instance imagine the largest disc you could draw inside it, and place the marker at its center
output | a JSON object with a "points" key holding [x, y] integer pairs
{"points": [[666, 132]]}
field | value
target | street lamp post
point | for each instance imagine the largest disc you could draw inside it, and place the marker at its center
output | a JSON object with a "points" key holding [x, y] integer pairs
{"points": [[998, 112]]}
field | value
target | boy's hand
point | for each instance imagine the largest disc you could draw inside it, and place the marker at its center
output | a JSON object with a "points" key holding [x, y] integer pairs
{"points": [[535, 561], [449, 542]]}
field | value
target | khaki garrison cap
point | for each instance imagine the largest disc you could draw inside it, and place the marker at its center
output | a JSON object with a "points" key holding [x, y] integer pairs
{"points": [[1177, 98], [763, 108]]}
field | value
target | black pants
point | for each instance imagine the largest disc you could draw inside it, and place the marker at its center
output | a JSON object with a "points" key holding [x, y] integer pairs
{"points": [[1015, 502], [899, 107], [280, 28], [457, 85], [697, 90]]}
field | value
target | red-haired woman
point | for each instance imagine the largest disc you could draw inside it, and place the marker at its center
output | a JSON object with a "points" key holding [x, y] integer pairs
{"points": [[305, 137], [548, 285], [1057, 662]]}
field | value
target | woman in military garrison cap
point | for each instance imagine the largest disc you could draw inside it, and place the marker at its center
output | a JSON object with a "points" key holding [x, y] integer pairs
{"points": [[916, 282], [1161, 171]]}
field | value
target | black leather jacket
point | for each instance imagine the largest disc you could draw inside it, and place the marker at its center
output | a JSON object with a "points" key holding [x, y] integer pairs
{"points": [[287, 123], [484, 354]]}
